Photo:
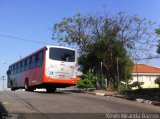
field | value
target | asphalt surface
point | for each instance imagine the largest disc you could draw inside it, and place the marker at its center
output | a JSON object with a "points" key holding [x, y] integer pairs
{"points": [[62, 104]]}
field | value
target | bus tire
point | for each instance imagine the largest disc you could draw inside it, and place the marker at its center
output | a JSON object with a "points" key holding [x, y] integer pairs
{"points": [[50, 90], [31, 89], [12, 88], [26, 85]]}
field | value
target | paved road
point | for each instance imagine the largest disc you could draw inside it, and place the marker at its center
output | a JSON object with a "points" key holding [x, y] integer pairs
{"points": [[65, 102]]}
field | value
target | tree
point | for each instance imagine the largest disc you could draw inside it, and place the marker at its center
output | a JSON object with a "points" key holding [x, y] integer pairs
{"points": [[106, 50], [107, 53], [158, 46], [76, 30], [158, 31], [136, 84], [106, 38], [157, 81], [135, 33]]}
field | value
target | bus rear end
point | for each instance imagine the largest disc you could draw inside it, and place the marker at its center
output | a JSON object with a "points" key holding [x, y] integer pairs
{"points": [[60, 67]]}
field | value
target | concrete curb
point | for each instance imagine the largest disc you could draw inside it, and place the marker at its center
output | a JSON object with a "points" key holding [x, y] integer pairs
{"points": [[156, 103], [99, 94], [139, 100]]}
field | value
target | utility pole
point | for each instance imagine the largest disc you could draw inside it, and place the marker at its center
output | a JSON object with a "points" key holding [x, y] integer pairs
{"points": [[101, 76], [118, 75], [137, 76]]}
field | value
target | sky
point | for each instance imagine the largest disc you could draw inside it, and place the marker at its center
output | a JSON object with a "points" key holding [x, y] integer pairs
{"points": [[33, 20]]}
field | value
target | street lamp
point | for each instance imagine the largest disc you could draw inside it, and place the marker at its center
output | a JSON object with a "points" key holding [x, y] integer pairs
{"points": [[3, 62], [3, 81]]}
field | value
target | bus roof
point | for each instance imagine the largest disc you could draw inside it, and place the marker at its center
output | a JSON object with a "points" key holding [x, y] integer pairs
{"points": [[47, 46]]}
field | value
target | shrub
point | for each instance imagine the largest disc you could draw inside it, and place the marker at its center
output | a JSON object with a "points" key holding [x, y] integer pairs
{"points": [[88, 81], [157, 81], [136, 84]]}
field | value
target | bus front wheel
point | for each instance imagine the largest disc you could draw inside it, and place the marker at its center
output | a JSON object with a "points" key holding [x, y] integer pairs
{"points": [[12, 88]]}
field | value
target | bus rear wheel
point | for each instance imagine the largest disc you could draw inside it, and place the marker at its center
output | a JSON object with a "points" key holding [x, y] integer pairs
{"points": [[12, 89], [27, 87], [50, 90]]}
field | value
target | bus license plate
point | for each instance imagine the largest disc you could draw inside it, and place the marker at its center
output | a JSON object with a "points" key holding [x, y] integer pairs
{"points": [[61, 76]]}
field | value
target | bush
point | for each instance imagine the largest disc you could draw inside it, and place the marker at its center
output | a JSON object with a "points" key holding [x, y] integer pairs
{"points": [[136, 84], [88, 81], [157, 81]]}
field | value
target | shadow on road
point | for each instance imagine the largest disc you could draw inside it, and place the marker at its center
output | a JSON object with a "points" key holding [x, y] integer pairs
{"points": [[2, 109], [57, 92], [3, 112]]}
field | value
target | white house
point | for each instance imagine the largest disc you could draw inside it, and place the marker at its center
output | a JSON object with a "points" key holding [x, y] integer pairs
{"points": [[146, 74]]}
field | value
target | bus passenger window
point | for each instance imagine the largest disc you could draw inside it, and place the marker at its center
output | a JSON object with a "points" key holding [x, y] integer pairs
{"points": [[23, 66], [19, 67], [12, 69], [28, 63], [33, 61], [40, 59], [15, 69]]}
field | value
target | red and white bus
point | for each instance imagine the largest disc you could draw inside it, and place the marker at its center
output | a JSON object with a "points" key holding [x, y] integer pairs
{"points": [[50, 67]]}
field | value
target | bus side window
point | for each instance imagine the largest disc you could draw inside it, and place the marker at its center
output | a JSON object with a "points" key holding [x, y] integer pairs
{"points": [[28, 63], [23, 66], [33, 61], [19, 67], [40, 58], [15, 69], [12, 69]]}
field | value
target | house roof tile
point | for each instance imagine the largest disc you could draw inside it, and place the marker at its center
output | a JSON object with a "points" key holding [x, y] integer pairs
{"points": [[142, 68]]}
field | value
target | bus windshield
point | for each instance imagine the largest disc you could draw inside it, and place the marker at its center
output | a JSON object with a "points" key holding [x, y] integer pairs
{"points": [[61, 54]]}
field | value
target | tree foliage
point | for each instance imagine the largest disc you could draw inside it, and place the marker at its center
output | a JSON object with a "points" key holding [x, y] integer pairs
{"points": [[157, 81], [76, 30], [158, 46], [135, 33], [104, 39], [136, 84], [107, 54]]}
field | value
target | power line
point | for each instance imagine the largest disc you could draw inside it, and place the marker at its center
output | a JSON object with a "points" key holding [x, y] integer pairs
{"points": [[22, 39], [147, 58]]}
